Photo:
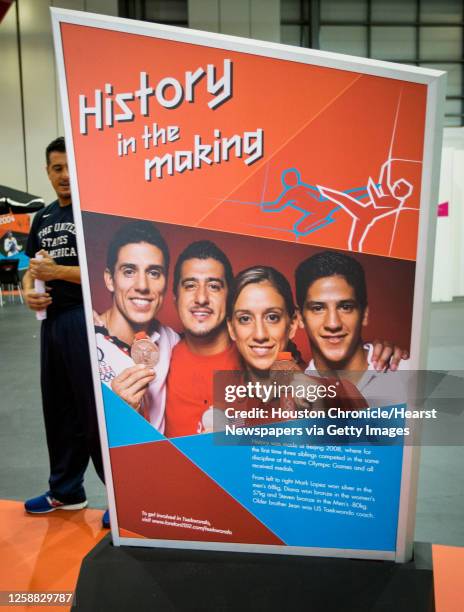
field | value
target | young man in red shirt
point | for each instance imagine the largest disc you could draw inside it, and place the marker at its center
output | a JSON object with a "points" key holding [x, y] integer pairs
{"points": [[202, 278]]}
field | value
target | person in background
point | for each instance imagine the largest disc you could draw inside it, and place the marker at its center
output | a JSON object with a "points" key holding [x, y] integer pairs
{"points": [[11, 245], [66, 381]]}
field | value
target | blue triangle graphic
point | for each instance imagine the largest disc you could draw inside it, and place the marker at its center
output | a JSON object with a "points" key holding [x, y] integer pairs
{"points": [[240, 471], [124, 425]]}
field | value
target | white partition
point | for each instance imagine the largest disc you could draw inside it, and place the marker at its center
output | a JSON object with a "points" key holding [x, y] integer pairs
{"points": [[448, 275]]}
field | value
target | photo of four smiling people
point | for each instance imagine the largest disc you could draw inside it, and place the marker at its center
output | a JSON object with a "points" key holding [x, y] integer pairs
{"points": [[229, 322]]}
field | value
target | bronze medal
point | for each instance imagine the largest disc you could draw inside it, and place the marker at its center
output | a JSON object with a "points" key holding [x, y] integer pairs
{"points": [[145, 351]]}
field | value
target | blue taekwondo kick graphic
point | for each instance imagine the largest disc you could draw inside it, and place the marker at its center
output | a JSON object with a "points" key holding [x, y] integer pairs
{"points": [[310, 496], [317, 209], [385, 197]]}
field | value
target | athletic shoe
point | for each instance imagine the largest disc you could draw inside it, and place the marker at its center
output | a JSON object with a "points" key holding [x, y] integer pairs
{"points": [[106, 519], [46, 503]]}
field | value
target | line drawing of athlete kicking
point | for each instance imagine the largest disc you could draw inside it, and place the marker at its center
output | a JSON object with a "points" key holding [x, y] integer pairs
{"points": [[317, 209], [385, 199], [318, 204]]}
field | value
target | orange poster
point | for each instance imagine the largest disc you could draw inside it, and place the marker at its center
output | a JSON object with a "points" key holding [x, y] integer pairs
{"points": [[247, 207]]}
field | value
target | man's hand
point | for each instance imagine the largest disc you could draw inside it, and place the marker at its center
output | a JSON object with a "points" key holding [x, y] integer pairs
{"points": [[132, 384], [37, 301], [387, 355], [45, 269]]}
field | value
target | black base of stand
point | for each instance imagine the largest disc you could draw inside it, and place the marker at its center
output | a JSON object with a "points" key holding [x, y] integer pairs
{"points": [[165, 580]]}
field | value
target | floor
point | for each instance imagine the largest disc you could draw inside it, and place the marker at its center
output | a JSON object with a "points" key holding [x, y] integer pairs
{"points": [[44, 554], [440, 500], [24, 465]]}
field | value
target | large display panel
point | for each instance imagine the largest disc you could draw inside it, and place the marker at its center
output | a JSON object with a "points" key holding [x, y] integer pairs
{"points": [[273, 155]]}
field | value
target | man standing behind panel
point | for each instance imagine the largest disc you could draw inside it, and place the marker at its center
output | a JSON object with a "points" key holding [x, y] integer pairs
{"points": [[66, 380]]}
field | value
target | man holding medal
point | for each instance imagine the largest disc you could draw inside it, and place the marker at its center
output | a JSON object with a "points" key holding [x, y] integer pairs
{"points": [[134, 349]]}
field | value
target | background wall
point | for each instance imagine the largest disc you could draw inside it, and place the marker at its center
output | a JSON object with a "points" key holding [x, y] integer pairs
{"points": [[30, 109], [249, 18]]}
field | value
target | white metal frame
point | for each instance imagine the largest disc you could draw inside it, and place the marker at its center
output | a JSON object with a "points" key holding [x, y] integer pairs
{"points": [[435, 82]]}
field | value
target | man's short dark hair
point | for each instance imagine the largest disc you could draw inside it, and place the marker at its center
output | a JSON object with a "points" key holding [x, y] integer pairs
{"points": [[203, 249], [56, 145], [135, 232], [330, 263]]}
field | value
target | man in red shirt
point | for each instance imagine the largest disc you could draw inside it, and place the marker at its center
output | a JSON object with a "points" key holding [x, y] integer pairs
{"points": [[202, 277]]}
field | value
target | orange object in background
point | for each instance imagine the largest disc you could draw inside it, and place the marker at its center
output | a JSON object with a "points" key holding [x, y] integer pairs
{"points": [[19, 225], [14, 223], [448, 572]]}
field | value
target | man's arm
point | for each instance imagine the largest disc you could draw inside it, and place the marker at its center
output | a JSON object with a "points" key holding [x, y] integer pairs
{"points": [[278, 204], [47, 269], [71, 274], [35, 301]]}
